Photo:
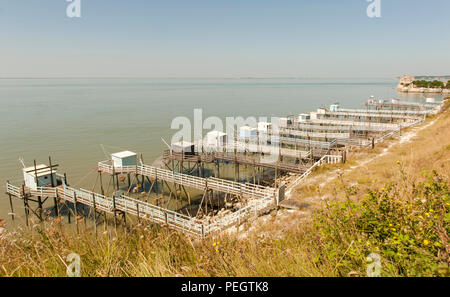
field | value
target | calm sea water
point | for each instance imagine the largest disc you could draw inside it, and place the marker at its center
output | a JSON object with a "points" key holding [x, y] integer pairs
{"points": [[69, 119]]}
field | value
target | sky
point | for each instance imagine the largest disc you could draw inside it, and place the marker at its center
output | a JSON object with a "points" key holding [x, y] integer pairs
{"points": [[227, 38]]}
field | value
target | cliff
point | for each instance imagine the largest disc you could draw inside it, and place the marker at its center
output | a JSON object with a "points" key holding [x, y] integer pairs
{"points": [[407, 85]]}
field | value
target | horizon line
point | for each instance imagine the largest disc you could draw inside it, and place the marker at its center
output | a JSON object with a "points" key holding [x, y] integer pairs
{"points": [[200, 77]]}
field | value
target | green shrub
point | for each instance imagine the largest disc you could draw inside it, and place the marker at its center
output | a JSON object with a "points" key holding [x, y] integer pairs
{"points": [[406, 224], [428, 84]]}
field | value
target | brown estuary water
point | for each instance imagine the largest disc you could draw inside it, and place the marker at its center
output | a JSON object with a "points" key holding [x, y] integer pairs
{"points": [[70, 119]]}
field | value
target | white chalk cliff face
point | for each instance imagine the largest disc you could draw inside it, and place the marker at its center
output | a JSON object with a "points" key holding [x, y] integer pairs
{"points": [[406, 85]]}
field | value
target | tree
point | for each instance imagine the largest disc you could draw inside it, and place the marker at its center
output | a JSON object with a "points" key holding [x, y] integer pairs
{"points": [[429, 84]]}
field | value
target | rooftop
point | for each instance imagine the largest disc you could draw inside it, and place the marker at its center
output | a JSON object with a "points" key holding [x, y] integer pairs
{"points": [[183, 143], [247, 128], [216, 133], [124, 154], [40, 170]]}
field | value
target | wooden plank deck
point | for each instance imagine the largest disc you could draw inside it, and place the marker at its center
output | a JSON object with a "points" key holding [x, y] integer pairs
{"points": [[263, 198], [249, 160], [242, 147], [246, 190], [352, 114]]}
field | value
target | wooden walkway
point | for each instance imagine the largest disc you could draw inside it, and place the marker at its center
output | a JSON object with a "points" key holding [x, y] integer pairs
{"points": [[365, 114], [244, 190], [263, 199], [243, 147], [249, 160], [317, 126], [307, 134], [387, 111], [405, 105], [360, 123], [340, 138], [305, 143]]}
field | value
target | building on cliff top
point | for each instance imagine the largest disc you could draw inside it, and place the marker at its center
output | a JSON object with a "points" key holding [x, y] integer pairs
{"points": [[407, 79]]}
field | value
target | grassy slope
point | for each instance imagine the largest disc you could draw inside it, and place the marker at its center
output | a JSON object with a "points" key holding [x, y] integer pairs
{"points": [[423, 148], [280, 244]]}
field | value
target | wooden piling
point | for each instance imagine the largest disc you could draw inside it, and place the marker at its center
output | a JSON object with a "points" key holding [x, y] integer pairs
{"points": [[76, 211], [101, 184], [95, 213], [53, 185]]}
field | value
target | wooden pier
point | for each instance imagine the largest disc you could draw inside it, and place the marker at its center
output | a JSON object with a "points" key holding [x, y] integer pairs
{"points": [[364, 123], [248, 160], [370, 116], [347, 127], [245, 190], [249, 147], [403, 105], [262, 199]]}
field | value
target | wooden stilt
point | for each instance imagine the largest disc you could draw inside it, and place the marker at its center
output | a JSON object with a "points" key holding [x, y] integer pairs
{"points": [[76, 210], [95, 213], [101, 184], [117, 182], [114, 210], [11, 205], [12, 208], [53, 184], [137, 212], [68, 213], [25, 205]]}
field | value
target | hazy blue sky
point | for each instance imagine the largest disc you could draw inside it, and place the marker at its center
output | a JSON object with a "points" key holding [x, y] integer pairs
{"points": [[227, 38]]}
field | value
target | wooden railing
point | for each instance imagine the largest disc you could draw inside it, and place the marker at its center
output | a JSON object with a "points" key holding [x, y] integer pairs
{"points": [[107, 167], [43, 192], [173, 177], [141, 209], [366, 114], [354, 142], [260, 199], [253, 209], [386, 111], [14, 190], [225, 186], [241, 147], [301, 133], [324, 125], [371, 125], [156, 214], [327, 159]]}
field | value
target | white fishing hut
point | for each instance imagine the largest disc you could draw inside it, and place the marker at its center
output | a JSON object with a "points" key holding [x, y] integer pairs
{"points": [[184, 147], [123, 159], [216, 138], [246, 132], [39, 176]]}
